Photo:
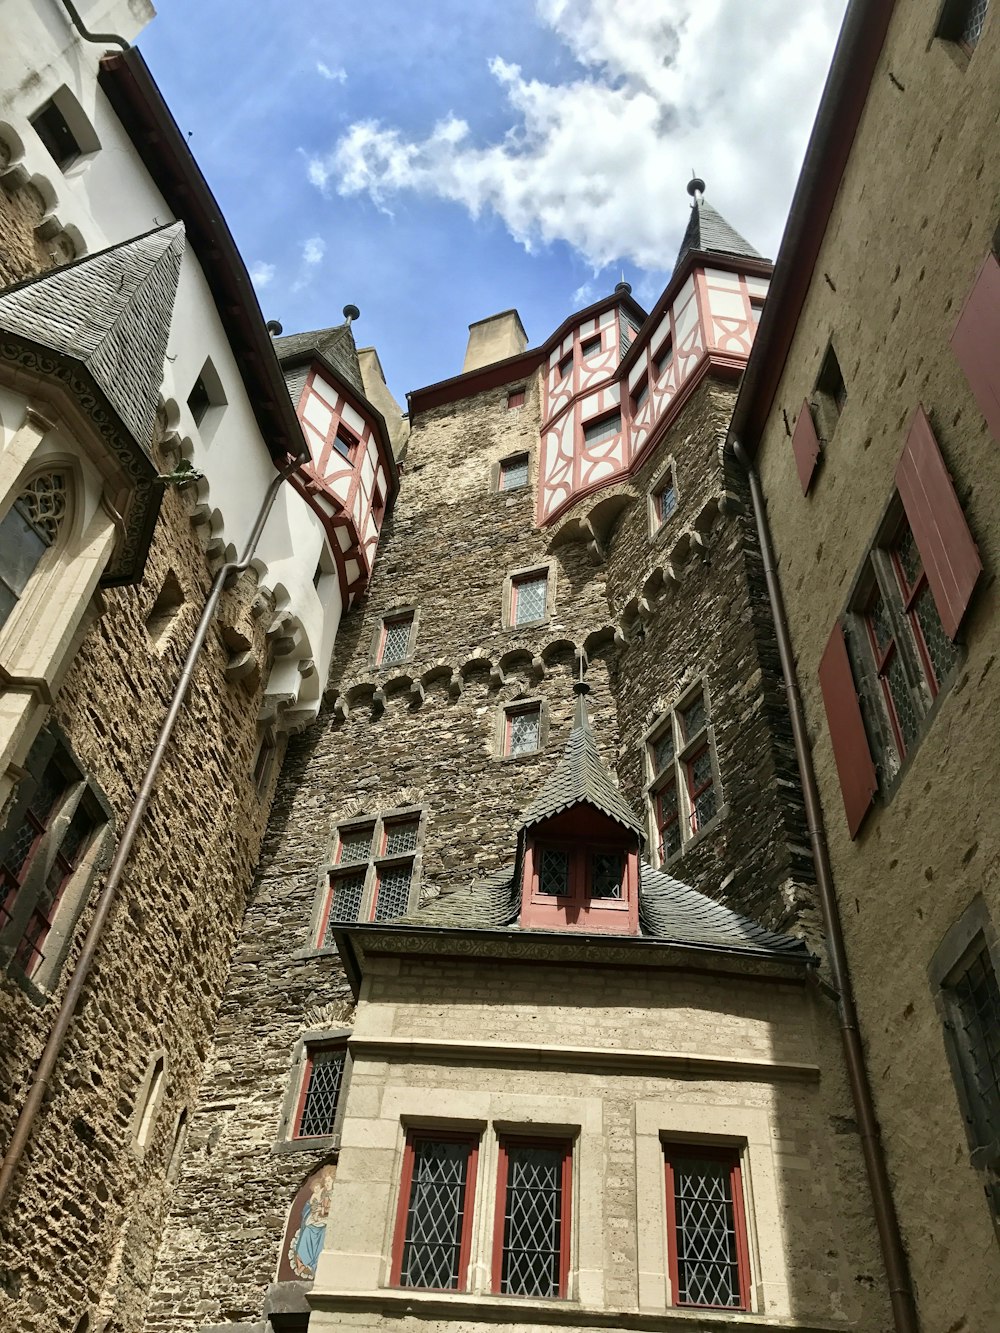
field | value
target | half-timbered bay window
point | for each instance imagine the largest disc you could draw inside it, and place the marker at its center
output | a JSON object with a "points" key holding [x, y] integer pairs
{"points": [[683, 791], [375, 871], [434, 1223], [706, 1228], [319, 1091], [532, 1229]]}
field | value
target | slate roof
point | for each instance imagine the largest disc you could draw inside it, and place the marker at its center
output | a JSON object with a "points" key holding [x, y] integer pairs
{"points": [[708, 230], [335, 344], [111, 312], [582, 776], [669, 911]]}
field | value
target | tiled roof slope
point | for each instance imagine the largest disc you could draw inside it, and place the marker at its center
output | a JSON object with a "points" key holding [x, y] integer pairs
{"points": [[336, 345], [708, 230], [582, 777], [669, 911], [111, 312]]}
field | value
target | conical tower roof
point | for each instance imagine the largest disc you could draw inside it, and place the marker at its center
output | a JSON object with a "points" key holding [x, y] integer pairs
{"points": [[582, 777], [708, 231], [111, 313]]}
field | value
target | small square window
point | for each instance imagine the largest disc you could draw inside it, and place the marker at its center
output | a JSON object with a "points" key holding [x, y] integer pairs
{"points": [[346, 894], [606, 428], [664, 357], [591, 347], [514, 472], [264, 763], [522, 730], [529, 596], [392, 891], [394, 644], [53, 129], [565, 365], [345, 443], [640, 395], [665, 500], [321, 1083], [515, 398]]}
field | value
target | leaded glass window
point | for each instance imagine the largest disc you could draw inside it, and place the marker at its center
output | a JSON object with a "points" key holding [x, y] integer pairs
{"points": [[395, 640], [694, 717], [708, 1260], [662, 748], [977, 1029], [962, 21], [607, 870], [666, 501], [346, 894], [553, 872], [701, 778], [355, 845], [401, 838], [324, 1074], [530, 595], [535, 1180], [434, 1253], [514, 473], [27, 530], [522, 731], [683, 788], [668, 820], [393, 895]]}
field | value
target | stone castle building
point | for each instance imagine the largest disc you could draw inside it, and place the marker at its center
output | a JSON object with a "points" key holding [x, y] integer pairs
{"points": [[495, 865]]}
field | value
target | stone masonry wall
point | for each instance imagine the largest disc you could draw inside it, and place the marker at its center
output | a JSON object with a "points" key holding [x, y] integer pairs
{"points": [[426, 732], [83, 1225]]}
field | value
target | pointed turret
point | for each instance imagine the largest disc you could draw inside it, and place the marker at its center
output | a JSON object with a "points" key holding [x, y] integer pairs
{"points": [[334, 345], [582, 778], [708, 232], [110, 312]]}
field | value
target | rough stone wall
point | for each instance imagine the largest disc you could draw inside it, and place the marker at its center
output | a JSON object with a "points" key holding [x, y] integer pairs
{"points": [[805, 1189], [83, 1224], [446, 551], [908, 234]]}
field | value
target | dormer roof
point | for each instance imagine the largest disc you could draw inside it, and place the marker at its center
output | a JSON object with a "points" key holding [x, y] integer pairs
{"points": [[110, 313], [709, 232], [582, 778]]}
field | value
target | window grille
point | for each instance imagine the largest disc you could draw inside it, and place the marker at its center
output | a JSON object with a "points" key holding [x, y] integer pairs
{"points": [[530, 595], [683, 790], [395, 640], [346, 894], [393, 895], [595, 432], [976, 999], [373, 872], [354, 845], [322, 1081], [400, 838], [962, 22], [523, 730], [553, 873], [668, 821], [514, 473], [435, 1247], [53, 129], [534, 1188], [706, 1231]]}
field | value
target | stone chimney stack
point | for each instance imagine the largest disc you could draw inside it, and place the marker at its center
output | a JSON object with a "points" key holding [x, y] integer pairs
{"points": [[494, 339]]}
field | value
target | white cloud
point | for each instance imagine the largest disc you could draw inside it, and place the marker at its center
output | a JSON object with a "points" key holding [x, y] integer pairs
{"points": [[336, 74], [726, 87], [261, 274], [313, 250]]}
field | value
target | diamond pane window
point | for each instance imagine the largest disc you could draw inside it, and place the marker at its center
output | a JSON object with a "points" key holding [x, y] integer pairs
{"points": [[662, 749], [694, 718], [523, 731], [529, 598], [534, 1195], [962, 21], [595, 432], [977, 1004], [607, 869], [709, 1264], [355, 845], [701, 786], [514, 473], [668, 821], [434, 1226], [393, 895], [553, 873], [324, 1073], [666, 502], [400, 838], [395, 640]]}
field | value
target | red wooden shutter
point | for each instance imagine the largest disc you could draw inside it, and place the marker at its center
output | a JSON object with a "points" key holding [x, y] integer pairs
{"points": [[805, 446], [976, 342], [939, 528], [855, 769]]}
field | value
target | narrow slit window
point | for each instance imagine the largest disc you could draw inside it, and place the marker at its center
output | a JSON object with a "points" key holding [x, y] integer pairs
{"points": [[515, 398], [640, 395], [664, 358], [665, 500], [434, 1225], [975, 998]]}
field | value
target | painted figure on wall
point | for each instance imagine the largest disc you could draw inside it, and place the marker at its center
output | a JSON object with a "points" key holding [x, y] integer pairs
{"points": [[306, 1229]]}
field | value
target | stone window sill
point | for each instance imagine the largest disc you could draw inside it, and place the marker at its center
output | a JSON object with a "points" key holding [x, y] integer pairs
{"points": [[697, 837], [322, 1143]]}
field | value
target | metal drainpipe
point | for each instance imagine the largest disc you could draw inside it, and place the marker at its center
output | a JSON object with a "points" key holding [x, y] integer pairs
{"points": [[890, 1238], [106, 900], [101, 37]]}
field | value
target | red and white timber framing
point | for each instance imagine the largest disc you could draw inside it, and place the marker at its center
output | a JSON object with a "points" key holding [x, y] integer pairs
{"points": [[350, 477]]}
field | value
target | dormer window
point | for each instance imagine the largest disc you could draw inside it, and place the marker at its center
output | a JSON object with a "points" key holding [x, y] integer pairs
{"points": [[580, 883]]}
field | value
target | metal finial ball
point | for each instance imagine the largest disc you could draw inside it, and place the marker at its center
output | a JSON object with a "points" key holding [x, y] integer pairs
{"points": [[273, 327], [695, 186], [351, 312], [623, 289]]}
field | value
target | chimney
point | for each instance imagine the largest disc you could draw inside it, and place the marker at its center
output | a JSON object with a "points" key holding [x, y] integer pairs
{"points": [[494, 339]]}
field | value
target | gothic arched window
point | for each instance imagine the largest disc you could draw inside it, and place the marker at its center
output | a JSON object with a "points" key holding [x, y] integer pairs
{"points": [[28, 529]]}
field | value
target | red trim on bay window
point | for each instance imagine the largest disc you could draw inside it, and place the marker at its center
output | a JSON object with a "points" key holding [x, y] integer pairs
{"points": [[976, 341], [682, 1151], [946, 546], [851, 752], [405, 1189], [805, 446], [566, 1210]]}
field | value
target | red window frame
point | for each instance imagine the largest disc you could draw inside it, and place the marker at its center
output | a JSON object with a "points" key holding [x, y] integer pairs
{"points": [[911, 595], [668, 819], [694, 790], [538, 576], [508, 727], [401, 822], [380, 871], [883, 660], [343, 435], [680, 1151], [388, 623], [591, 346], [515, 398], [307, 1067], [413, 1137], [579, 874], [565, 1198], [669, 487]]}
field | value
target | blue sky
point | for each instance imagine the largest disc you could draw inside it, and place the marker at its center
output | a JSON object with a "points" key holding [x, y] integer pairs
{"points": [[437, 163]]}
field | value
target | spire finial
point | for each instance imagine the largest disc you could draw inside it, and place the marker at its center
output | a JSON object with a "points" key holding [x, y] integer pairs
{"points": [[581, 689], [695, 186]]}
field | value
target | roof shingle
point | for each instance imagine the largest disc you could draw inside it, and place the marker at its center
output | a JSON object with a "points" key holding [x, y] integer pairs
{"points": [[708, 231]]}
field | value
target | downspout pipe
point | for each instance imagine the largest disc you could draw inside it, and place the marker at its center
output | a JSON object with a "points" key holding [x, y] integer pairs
{"points": [[890, 1238], [101, 38], [109, 893]]}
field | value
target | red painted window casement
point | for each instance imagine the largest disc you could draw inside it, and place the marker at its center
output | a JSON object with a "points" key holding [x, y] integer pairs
{"points": [[394, 641], [936, 653], [515, 398], [701, 787], [706, 1228], [805, 446], [668, 823], [319, 1095], [533, 1218], [855, 768], [976, 342], [942, 536], [891, 673], [433, 1236]]}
